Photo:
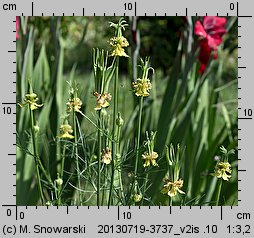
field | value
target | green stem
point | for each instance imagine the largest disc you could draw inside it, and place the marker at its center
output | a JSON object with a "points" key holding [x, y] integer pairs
{"points": [[76, 155], [145, 185], [61, 175], [99, 159], [114, 144], [36, 157], [130, 193], [104, 178], [138, 141], [46, 175], [104, 185], [170, 201], [63, 160], [218, 192], [59, 196], [119, 170]]}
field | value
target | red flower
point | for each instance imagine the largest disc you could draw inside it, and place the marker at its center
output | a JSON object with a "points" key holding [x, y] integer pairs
{"points": [[211, 33], [205, 55], [17, 28], [213, 29]]}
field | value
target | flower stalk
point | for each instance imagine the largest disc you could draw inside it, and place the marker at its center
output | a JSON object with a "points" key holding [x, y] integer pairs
{"points": [[218, 192], [36, 156], [99, 158], [141, 88], [114, 133], [102, 75], [76, 154], [138, 141], [222, 171], [118, 43], [119, 123], [63, 159], [149, 156], [73, 106], [173, 184], [30, 100]]}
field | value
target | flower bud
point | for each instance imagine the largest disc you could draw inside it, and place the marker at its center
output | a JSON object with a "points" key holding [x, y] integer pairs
{"points": [[130, 174], [118, 156], [48, 203], [59, 182], [137, 197], [36, 129], [119, 120], [93, 157]]}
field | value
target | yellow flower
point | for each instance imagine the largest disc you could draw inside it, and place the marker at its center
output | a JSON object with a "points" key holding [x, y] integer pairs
{"points": [[172, 188], [65, 132], [106, 156], [31, 99], [137, 197], [223, 170], [118, 44], [118, 51], [150, 159], [102, 100], [74, 104], [142, 87]]}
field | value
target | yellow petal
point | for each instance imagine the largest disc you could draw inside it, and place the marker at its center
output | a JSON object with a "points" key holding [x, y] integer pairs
{"points": [[147, 163], [33, 106], [180, 191], [172, 192], [105, 104], [106, 160], [154, 162], [225, 176], [66, 136]]}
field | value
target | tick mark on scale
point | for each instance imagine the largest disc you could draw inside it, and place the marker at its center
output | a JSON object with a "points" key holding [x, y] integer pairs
{"points": [[245, 16]]}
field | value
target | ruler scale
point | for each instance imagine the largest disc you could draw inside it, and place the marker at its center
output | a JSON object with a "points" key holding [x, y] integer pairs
{"points": [[102, 221]]}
